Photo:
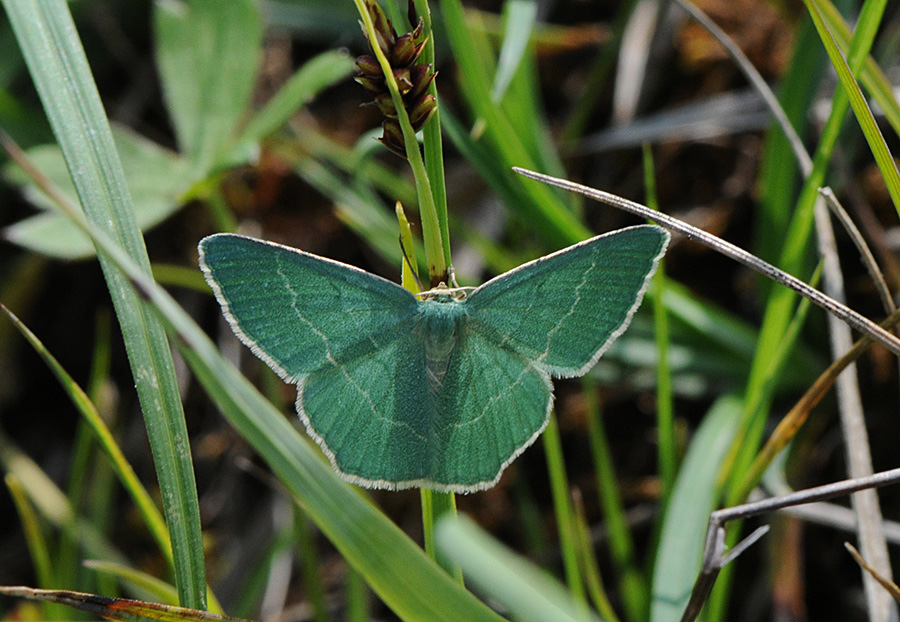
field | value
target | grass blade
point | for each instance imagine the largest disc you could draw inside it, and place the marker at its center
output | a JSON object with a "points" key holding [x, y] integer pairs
{"points": [[681, 544], [142, 499], [36, 541], [528, 592], [861, 109], [58, 66]]}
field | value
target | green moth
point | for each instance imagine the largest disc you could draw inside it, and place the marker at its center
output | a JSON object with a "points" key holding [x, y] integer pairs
{"points": [[442, 389]]}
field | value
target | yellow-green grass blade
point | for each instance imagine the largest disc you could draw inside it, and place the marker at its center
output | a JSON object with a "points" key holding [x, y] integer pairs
{"points": [[142, 499], [119, 463], [139, 584], [36, 540], [870, 75], [563, 511], [52, 503], [779, 308], [861, 109]]}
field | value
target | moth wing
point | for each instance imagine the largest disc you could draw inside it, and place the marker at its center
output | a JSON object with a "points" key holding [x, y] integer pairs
{"points": [[564, 310], [493, 404], [296, 311], [371, 414]]}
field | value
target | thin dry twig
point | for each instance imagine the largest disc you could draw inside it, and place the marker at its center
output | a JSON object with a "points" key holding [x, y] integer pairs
{"points": [[839, 310], [715, 557]]}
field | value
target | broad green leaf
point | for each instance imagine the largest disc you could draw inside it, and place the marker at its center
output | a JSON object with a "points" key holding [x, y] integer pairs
{"points": [[155, 176], [207, 53]]}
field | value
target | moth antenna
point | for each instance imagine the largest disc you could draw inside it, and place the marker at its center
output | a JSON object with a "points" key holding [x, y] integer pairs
{"points": [[452, 275]]}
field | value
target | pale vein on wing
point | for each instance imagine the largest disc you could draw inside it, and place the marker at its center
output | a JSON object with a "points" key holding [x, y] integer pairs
{"points": [[570, 312], [330, 357]]}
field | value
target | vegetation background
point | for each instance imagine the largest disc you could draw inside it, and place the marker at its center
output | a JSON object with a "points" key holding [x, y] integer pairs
{"points": [[205, 149]]}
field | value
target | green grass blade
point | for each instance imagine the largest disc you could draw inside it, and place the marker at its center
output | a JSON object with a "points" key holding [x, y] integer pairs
{"points": [[779, 308], [589, 564], [357, 597], [435, 505], [142, 499], [518, 23], [635, 593], [56, 60], [541, 207], [52, 503], [90, 482], [528, 592], [861, 109], [140, 584], [304, 532], [871, 75], [665, 416], [780, 172], [563, 510], [432, 137], [681, 545]]}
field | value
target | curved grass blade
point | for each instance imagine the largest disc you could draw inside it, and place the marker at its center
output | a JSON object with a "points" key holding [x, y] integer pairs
{"points": [[35, 539], [142, 499], [139, 584], [52, 503], [528, 592], [680, 549]]}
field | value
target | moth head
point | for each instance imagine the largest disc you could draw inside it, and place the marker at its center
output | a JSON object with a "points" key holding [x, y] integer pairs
{"points": [[444, 293]]}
